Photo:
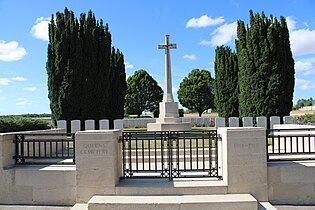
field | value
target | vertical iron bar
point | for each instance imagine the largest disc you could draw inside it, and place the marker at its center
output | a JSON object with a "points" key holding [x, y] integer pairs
{"points": [[137, 166], [155, 157], [45, 149], [33, 148], [56, 148], [309, 143], [197, 153], [130, 155], [203, 151], [190, 148], [142, 145], [279, 144], [291, 147], [123, 153], [185, 153], [285, 144], [149, 154]]}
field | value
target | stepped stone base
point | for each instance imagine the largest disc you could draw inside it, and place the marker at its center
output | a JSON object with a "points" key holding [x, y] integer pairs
{"points": [[176, 202], [180, 126]]}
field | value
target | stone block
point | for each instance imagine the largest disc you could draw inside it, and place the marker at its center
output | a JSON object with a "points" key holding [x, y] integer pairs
{"points": [[168, 109], [62, 124], [104, 124], [234, 122], [275, 120], [247, 122], [75, 126], [261, 122], [98, 162], [119, 124], [288, 119], [89, 125], [219, 122]]}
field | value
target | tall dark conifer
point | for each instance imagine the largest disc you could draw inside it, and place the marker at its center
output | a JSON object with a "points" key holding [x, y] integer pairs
{"points": [[266, 67], [226, 82], [82, 82]]}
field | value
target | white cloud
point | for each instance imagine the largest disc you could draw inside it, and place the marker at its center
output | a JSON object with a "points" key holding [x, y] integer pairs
{"points": [[291, 23], [204, 21], [19, 78], [40, 29], [303, 41], [191, 57], [22, 101], [224, 34], [304, 68], [0, 91], [31, 89], [11, 51], [205, 42], [128, 65], [2, 98], [4, 81], [304, 84]]}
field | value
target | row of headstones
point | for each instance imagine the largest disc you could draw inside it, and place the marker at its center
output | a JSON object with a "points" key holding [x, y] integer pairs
{"points": [[248, 121], [219, 122]]}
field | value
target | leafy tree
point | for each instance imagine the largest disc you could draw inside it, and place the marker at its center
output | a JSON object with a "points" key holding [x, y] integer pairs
{"points": [[86, 76], [143, 93], [226, 83], [196, 91], [266, 67]]}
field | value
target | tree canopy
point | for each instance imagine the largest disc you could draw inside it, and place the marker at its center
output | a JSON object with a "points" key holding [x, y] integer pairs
{"points": [[226, 90], [86, 75], [143, 93], [266, 67], [196, 91]]}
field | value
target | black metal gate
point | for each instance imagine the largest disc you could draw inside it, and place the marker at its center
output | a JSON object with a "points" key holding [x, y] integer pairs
{"points": [[170, 154]]}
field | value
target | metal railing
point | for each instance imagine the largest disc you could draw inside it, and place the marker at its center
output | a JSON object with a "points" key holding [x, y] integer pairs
{"points": [[170, 154], [290, 144], [44, 148]]}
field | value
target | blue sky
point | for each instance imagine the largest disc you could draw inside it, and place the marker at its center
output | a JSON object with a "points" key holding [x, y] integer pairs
{"points": [[137, 27]]}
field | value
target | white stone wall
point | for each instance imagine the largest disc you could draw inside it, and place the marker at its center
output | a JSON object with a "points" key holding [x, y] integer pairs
{"points": [[291, 182], [33, 184]]}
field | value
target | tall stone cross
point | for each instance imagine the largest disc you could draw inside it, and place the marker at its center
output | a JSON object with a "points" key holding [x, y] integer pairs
{"points": [[168, 95]]}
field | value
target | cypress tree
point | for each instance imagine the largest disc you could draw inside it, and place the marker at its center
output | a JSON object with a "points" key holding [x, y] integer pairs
{"points": [[226, 82], [86, 79], [266, 67]]}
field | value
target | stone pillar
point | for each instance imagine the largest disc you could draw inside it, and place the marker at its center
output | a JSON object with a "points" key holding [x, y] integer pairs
{"points": [[98, 163], [89, 125], [288, 119], [75, 126], [104, 124], [119, 124], [247, 122], [219, 122], [261, 122], [234, 122], [275, 120], [245, 161]]}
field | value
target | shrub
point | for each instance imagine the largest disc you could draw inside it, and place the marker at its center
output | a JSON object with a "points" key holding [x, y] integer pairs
{"points": [[308, 119], [14, 124], [181, 112]]}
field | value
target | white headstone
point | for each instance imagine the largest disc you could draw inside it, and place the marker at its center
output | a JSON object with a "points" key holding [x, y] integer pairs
{"points": [[89, 125], [247, 122], [275, 120], [119, 124], [75, 126], [234, 122], [219, 122], [288, 119], [104, 124], [261, 122], [62, 124]]}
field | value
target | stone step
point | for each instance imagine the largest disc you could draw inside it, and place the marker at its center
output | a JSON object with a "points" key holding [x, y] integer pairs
{"points": [[180, 186], [80, 206], [174, 202]]}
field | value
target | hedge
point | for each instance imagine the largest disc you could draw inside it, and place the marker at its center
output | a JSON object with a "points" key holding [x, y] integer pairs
{"points": [[14, 124]]}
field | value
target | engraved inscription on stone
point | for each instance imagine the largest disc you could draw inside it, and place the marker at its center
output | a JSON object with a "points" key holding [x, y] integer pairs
{"points": [[94, 149], [246, 146]]}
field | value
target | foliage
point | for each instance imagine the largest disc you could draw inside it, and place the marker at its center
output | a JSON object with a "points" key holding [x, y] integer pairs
{"points": [[143, 93], [86, 76], [181, 112], [266, 67], [308, 119], [27, 115], [196, 91], [226, 83], [13, 124], [304, 102]]}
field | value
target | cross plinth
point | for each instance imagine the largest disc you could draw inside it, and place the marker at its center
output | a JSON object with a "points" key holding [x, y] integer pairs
{"points": [[168, 119], [168, 95]]}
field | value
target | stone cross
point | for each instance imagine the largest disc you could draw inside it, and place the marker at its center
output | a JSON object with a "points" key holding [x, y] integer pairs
{"points": [[168, 95]]}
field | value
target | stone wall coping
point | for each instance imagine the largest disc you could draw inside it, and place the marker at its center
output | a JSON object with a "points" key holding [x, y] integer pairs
{"points": [[34, 131], [240, 128], [62, 168], [99, 131]]}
